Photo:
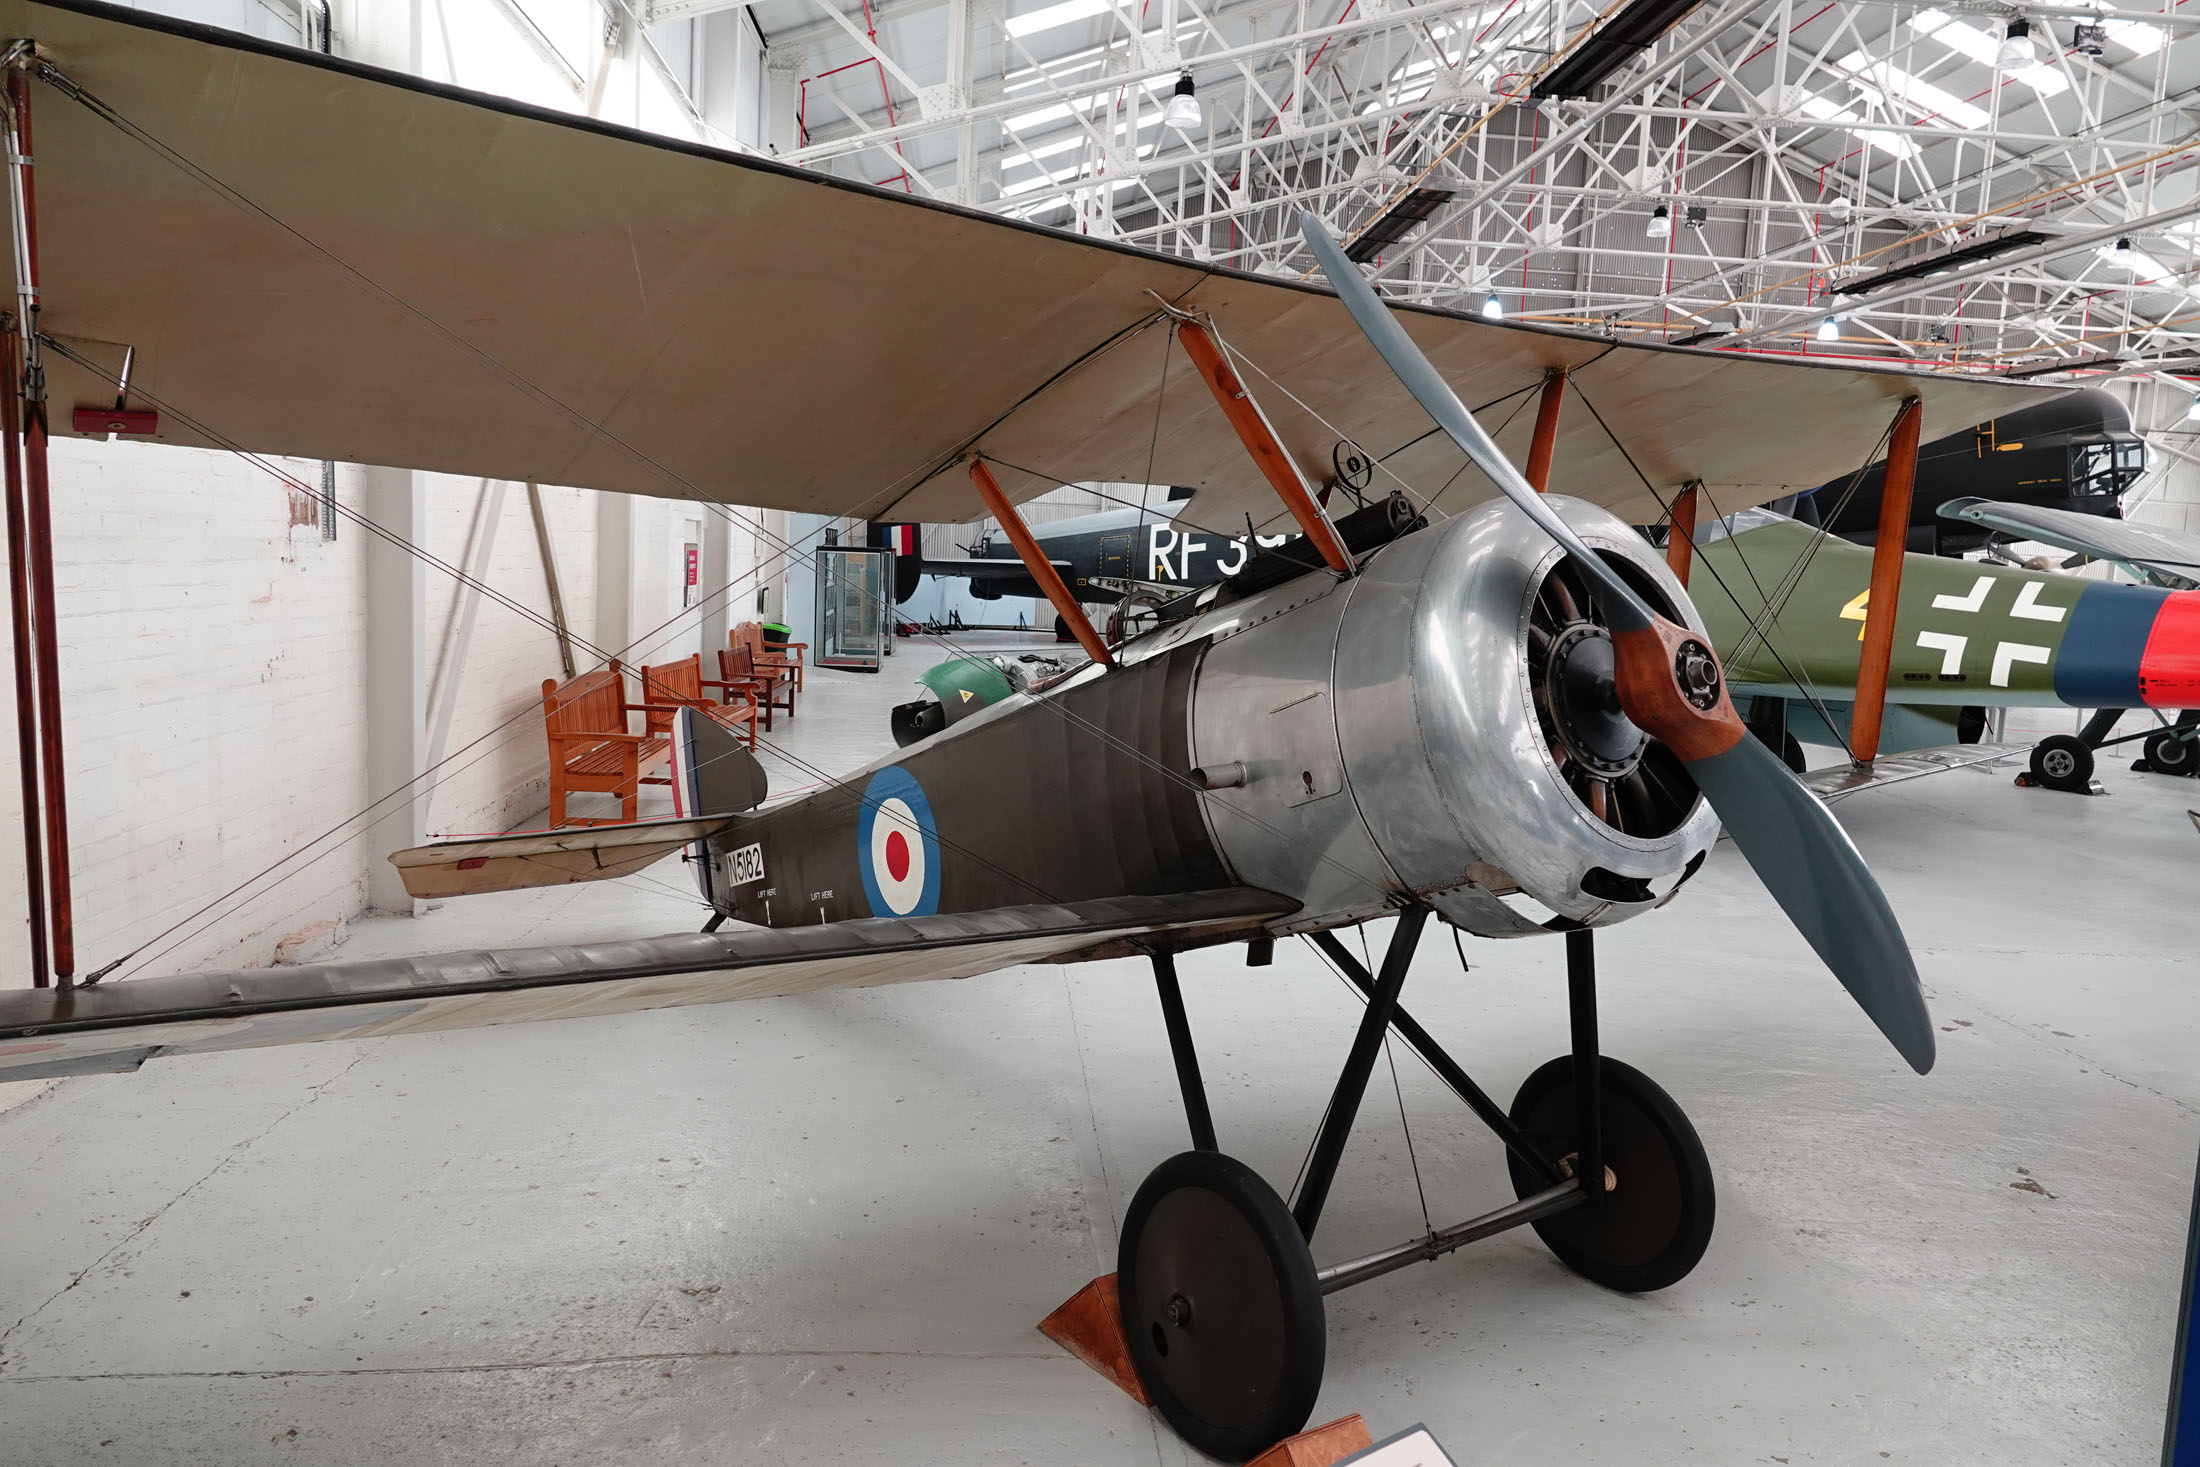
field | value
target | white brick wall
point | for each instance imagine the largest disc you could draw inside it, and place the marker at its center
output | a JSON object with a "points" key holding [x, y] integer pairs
{"points": [[212, 669]]}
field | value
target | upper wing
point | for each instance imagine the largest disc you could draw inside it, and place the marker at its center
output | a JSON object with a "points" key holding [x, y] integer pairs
{"points": [[118, 1026], [2166, 557], [317, 258]]}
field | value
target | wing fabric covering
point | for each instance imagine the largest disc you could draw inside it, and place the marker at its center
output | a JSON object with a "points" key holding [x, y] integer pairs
{"points": [[489, 289], [117, 1026]]}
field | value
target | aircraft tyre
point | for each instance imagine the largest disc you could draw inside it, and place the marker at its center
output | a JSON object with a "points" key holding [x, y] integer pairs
{"points": [[1653, 1224], [1062, 633], [1222, 1311], [2063, 762], [1791, 753], [2165, 753]]}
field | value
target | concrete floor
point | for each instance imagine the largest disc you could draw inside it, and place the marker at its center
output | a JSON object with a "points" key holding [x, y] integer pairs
{"points": [[822, 1229]]}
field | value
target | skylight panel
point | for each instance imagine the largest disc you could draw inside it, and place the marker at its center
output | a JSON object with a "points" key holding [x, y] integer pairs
{"points": [[1023, 121], [1922, 96], [2135, 36], [1969, 40], [1068, 11], [1818, 107]]}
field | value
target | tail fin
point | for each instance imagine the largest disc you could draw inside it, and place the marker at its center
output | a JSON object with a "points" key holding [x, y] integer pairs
{"points": [[712, 772]]}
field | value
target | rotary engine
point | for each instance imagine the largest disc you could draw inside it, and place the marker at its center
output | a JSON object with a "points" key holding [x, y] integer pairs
{"points": [[1445, 724]]}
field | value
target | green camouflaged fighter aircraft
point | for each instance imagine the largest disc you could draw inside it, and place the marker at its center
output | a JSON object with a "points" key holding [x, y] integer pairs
{"points": [[1969, 636]]}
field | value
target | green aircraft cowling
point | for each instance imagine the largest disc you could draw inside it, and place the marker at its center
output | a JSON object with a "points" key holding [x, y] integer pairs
{"points": [[1966, 632], [965, 684]]}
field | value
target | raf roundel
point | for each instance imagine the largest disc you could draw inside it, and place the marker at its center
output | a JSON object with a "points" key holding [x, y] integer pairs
{"points": [[897, 848]]}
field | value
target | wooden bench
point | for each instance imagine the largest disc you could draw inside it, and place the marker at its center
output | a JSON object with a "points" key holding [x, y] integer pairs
{"points": [[787, 655], [667, 687], [590, 750], [773, 683]]}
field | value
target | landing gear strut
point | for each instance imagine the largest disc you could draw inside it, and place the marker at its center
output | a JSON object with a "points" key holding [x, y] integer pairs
{"points": [[1220, 1298]]}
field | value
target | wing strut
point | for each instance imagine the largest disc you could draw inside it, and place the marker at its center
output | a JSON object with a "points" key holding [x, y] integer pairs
{"points": [[1068, 607], [1259, 437], [1546, 429], [1680, 533], [1886, 590]]}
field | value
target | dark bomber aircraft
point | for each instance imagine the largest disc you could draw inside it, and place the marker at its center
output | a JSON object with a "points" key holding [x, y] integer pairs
{"points": [[2075, 453], [1508, 718]]}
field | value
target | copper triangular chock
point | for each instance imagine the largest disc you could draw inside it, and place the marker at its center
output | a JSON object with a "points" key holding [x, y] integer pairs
{"points": [[1318, 1446], [1089, 1325]]}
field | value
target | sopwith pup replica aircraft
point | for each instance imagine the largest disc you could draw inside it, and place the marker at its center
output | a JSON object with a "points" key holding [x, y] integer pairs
{"points": [[1465, 699]]}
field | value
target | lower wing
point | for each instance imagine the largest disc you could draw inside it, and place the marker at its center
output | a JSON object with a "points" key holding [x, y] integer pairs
{"points": [[116, 1027]]}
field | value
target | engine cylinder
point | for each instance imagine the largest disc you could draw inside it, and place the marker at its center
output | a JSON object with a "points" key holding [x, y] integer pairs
{"points": [[1443, 725]]}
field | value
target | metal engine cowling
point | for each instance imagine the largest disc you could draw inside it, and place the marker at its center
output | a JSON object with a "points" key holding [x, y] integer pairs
{"points": [[1442, 724]]}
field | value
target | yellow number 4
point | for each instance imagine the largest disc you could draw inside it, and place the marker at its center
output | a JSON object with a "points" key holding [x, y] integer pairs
{"points": [[1854, 611]]}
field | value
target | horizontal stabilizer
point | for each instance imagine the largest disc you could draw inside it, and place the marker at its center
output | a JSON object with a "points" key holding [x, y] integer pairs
{"points": [[2154, 553], [50, 1032], [1840, 780], [545, 857]]}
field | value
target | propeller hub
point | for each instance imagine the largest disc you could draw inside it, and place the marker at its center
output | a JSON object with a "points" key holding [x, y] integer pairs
{"points": [[1583, 696], [1697, 672]]}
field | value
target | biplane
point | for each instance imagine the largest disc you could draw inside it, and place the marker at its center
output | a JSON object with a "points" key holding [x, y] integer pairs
{"points": [[1474, 695]]}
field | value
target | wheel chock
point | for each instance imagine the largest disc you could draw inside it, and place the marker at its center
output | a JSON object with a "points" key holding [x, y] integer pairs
{"points": [[1318, 1446], [1089, 1324]]}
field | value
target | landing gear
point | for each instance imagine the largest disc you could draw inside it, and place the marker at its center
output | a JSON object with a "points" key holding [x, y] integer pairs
{"points": [[1653, 1222], [2063, 762], [1220, 1298], [2170, 751], [1062, 633], [1222, 1310]]}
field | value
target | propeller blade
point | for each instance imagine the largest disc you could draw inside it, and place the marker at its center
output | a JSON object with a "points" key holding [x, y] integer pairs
{"points": [[1622, 607], [1671, 686], [1814, 871]]}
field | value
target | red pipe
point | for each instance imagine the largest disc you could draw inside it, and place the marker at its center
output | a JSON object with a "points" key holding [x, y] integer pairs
{"points": [[39, 558], [26, 695]]}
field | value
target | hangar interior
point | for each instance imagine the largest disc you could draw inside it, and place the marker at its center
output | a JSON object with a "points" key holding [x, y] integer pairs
{"points": [[823, 1227]]}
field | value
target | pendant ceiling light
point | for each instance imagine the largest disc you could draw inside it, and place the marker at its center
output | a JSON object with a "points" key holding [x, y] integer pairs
{"points": [[1182, 111]]}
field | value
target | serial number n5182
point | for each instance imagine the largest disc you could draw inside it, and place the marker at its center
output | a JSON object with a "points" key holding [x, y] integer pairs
{"points": [[748, 865]]}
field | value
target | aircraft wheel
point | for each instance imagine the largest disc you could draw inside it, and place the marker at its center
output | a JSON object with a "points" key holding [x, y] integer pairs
{"points": [[1221, 1307], [1062, 633], [2063, 762], [1791, 753], [2165, 753], [1653, 1223]]}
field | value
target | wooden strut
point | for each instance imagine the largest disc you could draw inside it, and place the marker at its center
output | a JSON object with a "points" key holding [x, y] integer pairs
{"points": [[1259, 437], [1885, 600], [1680, 535], [1035, 560], [1546, 430], [38, 549]]}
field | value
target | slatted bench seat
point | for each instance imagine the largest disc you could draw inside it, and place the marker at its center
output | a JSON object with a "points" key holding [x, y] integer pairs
{"points": [[591, 751], [788, 656], [667, 687], [771, 683]]}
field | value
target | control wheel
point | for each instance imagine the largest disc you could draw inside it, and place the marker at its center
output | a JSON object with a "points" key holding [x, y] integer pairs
{"points": [[1653, 1222], [2063, 762], [1221, 1307]]}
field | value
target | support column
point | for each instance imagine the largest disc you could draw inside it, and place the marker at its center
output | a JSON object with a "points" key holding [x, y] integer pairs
{"points": [[26, 692], [717, 593], [36, 567], [458, 638], [1538, 472], [614, 572], [1680, 539], [1885, 600], [396, 680], [1259, 437], [1035, 560]]}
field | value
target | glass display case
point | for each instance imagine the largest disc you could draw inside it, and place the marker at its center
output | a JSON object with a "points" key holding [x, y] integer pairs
{"points": [[855, 604]]}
